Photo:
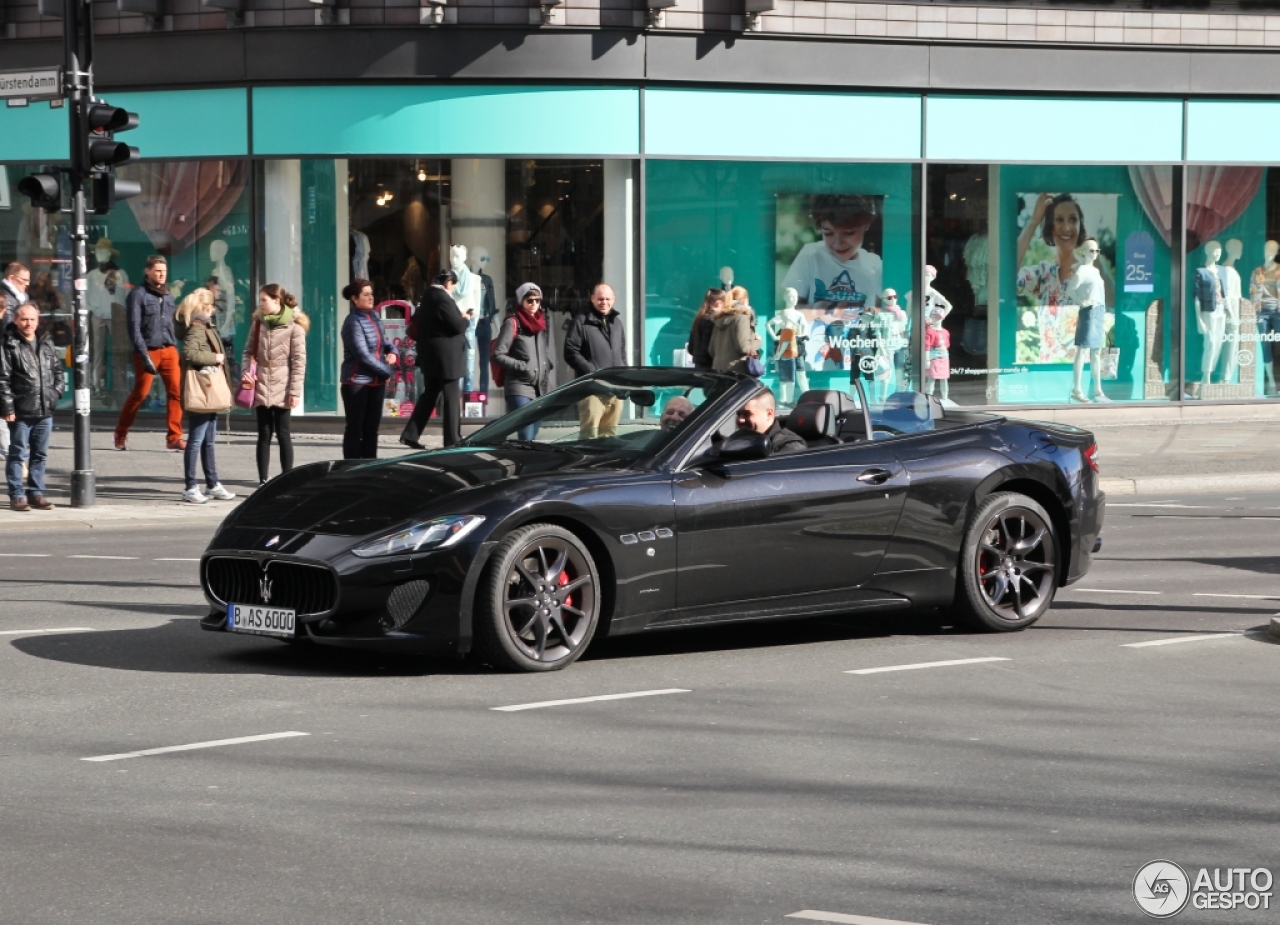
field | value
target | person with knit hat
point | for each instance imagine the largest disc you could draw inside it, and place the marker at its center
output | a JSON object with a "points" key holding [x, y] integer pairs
{"points": [[523, 350]]}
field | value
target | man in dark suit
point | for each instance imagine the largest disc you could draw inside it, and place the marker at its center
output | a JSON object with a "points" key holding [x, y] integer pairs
{"points": [[439, 327]]}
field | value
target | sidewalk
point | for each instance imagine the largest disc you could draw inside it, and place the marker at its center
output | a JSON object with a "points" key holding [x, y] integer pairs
{"points": [[142, 485]]}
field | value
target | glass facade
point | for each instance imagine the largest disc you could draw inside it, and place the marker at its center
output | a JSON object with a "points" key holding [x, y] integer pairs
{"points": [[934, 253]]}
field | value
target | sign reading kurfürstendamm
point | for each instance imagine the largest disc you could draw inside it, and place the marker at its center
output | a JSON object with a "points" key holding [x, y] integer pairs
{"points": [[31, 84]]}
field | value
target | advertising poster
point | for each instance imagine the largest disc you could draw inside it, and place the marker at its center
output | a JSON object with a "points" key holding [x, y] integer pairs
{"points": [[1050, 228], [826, 248]]}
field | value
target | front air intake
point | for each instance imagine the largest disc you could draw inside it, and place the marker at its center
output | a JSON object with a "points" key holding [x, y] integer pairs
{"points": [[404, 603]]}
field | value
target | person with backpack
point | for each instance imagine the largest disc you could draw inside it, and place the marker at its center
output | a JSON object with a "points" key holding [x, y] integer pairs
{"points": [[524, 354], [278, 345], [439, 329]]}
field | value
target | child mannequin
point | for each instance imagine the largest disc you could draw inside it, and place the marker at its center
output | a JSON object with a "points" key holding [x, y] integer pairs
{"points": [[887, 326], [1086, 289], [785, 327], [937, 351]]}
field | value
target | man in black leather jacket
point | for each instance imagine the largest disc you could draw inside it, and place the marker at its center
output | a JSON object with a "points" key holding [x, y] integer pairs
{"points": [[31, 382], [761, 415]]}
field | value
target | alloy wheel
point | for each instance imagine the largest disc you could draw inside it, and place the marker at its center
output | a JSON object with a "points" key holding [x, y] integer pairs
{"points": [[1016, 564], [550, 599]]}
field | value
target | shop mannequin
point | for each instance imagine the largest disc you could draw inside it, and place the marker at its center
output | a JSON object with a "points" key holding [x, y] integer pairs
{"points": [[224, 309], [1264, 292], [467, 295], [937, 352], [726, 278], [105, 289], [487, 318], [1235, 249], [886, 327], [933, 299], [786, 327], [1211, 309], [1086, 288]]}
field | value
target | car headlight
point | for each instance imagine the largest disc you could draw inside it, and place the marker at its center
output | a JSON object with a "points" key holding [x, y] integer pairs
{"points": [[430, 534]]}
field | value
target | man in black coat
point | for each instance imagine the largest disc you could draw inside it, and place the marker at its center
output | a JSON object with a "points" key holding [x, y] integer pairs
{"points": [[31, 382], [597, 339], [439, 327], [760, 414]]}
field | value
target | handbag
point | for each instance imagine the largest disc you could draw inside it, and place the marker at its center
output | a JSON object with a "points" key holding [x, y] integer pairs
{"points": [[248, 388], [205, 391], [754, 367]]}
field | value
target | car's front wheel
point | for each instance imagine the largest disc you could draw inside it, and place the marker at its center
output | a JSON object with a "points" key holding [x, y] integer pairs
{"points": [[1008, 565], [539, 601]]}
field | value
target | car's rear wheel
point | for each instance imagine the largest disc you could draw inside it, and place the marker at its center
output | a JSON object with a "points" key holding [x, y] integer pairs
{"points": [[539, 601], [1008, 565]]}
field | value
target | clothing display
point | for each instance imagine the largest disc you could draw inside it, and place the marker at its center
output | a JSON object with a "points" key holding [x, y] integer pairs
{"points": [[359, 255], [937, 345]]}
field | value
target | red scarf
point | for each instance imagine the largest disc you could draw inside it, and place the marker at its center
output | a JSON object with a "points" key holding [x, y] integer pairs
{"points": [[529, 322]]}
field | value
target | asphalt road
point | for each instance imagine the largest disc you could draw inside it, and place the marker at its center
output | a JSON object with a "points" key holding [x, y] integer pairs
{"points": [[1026, 790]]}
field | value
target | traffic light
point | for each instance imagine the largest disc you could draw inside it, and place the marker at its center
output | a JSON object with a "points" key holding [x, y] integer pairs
{"points": [[103, 154], [44, 190]]}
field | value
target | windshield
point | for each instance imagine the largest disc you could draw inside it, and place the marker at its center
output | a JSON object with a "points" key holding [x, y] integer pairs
{"points": [[623, 413]]}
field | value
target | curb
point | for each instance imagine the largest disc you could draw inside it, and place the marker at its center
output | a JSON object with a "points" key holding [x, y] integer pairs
{"points": [[1199, 484], [65, 517]]}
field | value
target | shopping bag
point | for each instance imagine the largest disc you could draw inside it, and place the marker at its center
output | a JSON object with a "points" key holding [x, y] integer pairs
{"points": [[206, 391]]}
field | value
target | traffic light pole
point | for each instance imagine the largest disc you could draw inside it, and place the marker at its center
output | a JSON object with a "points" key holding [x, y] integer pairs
{"points": [[79, 92]]}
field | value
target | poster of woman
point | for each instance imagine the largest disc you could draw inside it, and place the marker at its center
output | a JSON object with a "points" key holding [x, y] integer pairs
{"points": [[1052, 226]]}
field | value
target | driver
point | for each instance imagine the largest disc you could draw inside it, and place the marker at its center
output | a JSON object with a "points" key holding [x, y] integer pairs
{"points": [[760, 414], [674, 413]]}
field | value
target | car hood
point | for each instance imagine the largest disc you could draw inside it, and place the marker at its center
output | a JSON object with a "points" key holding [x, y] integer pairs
{"points": [[361, 497]]}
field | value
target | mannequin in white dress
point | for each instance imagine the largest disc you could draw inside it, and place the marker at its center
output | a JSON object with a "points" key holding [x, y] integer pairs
{"points": [[1235, 249], [467, 295]]}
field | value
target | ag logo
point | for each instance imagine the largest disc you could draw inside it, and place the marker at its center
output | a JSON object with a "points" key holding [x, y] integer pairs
{"points": [[1161, 889]]}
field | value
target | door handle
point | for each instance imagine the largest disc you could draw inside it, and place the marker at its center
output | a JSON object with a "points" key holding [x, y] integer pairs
{"points": [[875, 476]]}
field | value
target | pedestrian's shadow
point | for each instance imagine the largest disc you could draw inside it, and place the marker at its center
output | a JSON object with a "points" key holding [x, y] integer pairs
{"points": [[182, 647]]}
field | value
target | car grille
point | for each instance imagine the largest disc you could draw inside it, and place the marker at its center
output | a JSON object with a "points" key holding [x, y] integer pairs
{"points": [[310, 590]]}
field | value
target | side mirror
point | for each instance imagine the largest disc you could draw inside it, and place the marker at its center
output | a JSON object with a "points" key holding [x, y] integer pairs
{"points": [[743, 445]]}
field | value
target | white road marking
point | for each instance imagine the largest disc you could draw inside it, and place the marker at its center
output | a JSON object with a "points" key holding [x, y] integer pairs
{"points": [[560, 703], [840, 917], [1177, 639], [955, 661], [24, 555], [60, 629], [1112, 591], [102, 557], [1249, 597], [194, 745]]}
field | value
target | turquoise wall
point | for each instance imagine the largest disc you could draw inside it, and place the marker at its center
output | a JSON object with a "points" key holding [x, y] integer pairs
{"points": [[319, 298]]}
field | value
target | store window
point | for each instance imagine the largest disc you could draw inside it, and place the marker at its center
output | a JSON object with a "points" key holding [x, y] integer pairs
{"points": [[195, 213], [1052, 283], [824, 256], [1232, 282], [565, 225]]}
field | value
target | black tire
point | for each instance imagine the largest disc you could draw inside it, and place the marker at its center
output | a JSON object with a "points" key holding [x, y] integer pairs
{"points": [[539, 601], [1008, 570]]}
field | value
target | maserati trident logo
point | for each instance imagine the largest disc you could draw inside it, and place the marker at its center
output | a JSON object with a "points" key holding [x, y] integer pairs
{"points": [[264, 589]]}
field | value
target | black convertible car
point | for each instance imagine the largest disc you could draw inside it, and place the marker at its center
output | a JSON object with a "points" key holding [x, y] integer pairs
{"points": [[536, 535]]}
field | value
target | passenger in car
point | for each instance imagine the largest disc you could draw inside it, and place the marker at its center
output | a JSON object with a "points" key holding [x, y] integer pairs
{"points": [[760, 414], [675, 412]]}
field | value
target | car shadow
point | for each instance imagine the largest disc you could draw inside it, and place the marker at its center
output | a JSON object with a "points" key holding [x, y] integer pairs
{"points": [[180, 646]]}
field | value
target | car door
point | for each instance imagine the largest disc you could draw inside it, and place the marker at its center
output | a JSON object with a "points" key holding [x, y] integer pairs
{"points": [[800, 525]]}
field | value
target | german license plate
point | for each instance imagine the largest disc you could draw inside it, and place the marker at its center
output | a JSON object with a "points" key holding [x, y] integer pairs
{"points": [[261, 621]]}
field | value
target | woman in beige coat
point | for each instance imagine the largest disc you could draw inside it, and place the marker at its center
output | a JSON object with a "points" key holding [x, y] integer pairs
{"points": [[734, 336], [278, 343]]}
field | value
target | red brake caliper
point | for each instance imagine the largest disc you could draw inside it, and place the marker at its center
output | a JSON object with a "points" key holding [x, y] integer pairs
{"points": [[561, 582]]}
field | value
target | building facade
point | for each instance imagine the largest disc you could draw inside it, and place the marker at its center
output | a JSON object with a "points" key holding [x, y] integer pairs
{"points": [[907, 193]]}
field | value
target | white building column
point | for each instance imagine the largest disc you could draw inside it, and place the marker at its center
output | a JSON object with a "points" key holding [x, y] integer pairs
{"points": [[282, 231], [620, 226], [478, 218]]}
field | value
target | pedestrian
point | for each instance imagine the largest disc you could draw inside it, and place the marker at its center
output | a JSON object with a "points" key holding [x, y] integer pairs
{"points": [[149, 312], [367, 361], [202, 349], [734, 338], [699, 345], [31, 382], [439, 327], [278, 344], [13, 293], [597, 340], [523, 350]]}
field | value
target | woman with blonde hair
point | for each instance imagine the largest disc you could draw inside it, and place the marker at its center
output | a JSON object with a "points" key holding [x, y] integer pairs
{"points": [[201, 348], [278, 344], [735, 338], [700, 331]]}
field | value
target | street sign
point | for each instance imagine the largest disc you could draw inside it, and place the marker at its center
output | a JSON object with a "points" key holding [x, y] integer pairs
{"points": [[43, 83]]}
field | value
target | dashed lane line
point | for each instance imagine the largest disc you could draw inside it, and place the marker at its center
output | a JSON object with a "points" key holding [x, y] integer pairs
{"points": [[122, 558], [216, 743], [560, 703], [839, 917], [1178, 639], [954, 661], [1247, 597], [24, 555], [60, 629]]}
